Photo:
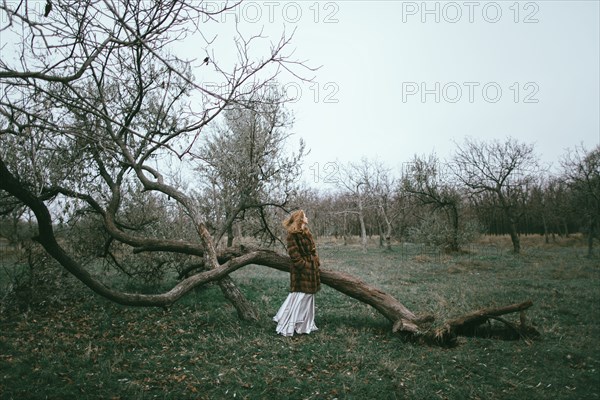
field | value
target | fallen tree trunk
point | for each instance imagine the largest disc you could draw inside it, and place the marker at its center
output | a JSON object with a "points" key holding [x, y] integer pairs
{"points": [[402, 318], [387, 305]]}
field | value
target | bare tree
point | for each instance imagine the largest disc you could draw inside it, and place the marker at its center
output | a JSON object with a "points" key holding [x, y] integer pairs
{"points": [[559, 205], [244, 168], [581, 169], [550, 205], [538, 207], [354, 180], [383, 191], [503, 169], [95, 96], [428, 182]]}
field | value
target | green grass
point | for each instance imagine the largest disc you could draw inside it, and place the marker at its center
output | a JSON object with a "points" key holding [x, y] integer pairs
{"points": [[198, 348]]}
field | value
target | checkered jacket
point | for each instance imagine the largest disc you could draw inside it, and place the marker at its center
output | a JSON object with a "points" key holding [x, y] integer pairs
{"points": [[304, 275]]}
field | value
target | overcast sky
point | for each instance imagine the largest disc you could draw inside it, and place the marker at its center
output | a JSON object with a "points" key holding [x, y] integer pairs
{"points": [[400, 78]]}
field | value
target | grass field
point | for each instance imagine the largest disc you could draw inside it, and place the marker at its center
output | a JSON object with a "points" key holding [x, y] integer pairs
{"points": [[92, 349]]}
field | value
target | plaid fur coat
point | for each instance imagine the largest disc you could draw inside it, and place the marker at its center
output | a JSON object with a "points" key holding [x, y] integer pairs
{"points": [[304, 275]]}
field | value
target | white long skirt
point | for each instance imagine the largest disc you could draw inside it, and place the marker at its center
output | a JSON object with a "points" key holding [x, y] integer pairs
{"points": [[296, 314]]}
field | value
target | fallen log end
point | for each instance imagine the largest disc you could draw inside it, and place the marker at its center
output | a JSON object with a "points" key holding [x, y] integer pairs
{"points": [[470, 325], [405, 325]]}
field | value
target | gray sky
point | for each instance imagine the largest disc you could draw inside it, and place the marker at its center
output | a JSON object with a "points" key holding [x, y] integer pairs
{"points": [[401, 77]]}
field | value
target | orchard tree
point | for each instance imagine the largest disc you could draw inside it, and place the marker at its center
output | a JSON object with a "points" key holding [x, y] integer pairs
{"points": [[539, 207], [503, 169], [550, 206], [426, 180], [354, 181], [96, 99], [383, 192], [559, 204], [581, 171], [244, 168]]}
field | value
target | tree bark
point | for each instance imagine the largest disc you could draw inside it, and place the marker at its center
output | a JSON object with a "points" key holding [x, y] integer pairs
{"points": [[388, 240], [514, 236], [546, 235], [388, 228], [229, 236], [591, 234], [512, 221], [454, 246], [363, 229], [245, 309]]}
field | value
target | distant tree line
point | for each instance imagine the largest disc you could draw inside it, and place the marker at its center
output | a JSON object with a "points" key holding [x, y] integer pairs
{"points": [[494, 187], [245, 183]]}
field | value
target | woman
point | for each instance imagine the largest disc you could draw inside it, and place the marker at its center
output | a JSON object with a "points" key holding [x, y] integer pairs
{"points": [[297, 313]]}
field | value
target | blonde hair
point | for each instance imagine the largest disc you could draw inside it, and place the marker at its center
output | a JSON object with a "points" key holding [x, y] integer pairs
{"points": [[295, 222]]}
